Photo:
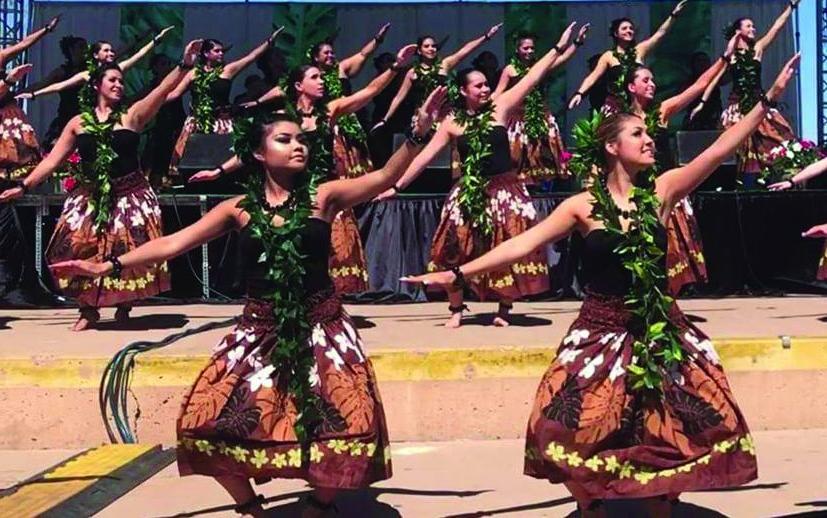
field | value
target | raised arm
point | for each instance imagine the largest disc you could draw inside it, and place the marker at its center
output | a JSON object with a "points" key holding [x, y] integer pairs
{"points": [[233, 68], [8, 53], [702, 86], [677, 183], [513, 97], [143, 51], [407, 82], [808, 173], [353, 65], [571, 49], [505, 76], [221, 219], [182, 87], [15, 74], [648, 45], [342, 194], [76, 80], [589, 81], [776, 27], [231, 165], [454, 59], [356, 101]]}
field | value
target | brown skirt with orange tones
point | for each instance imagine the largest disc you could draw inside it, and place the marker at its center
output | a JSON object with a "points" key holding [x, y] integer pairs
{"points": [[135, 218], [456, 241], [589, 429], [19, 150], [541, 159], [753, 154], [347, 265], [238, 418], [685, 263]]}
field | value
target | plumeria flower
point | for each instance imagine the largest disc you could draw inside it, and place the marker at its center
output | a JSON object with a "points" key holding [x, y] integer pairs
{"points": [[137, 220], [591, 366], [617, 369], [529, 211], [618, 343], [261, 378], [318, 337], [345, 345], [569, 355], [576, 336], [234, 356], [314, 376], [247, 334], [335, 357]]}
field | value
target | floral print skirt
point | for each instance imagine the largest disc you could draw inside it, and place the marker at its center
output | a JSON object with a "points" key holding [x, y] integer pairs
{"points": [[238, 417], [352, 159], [685, 263], [588, 428], [753, 154], [135, 219], [512, 212], [223, 125], [19, 150], [541, 159], [347, 265]]}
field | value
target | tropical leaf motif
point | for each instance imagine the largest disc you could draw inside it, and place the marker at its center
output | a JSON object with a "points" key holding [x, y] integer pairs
{"points": [[139, 23], [304, 26], [601, 412], [208, 397], [566, 405]]}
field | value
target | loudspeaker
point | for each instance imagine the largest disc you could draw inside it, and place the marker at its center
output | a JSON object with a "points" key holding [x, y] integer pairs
{"points": [[205, 151], [441, 161], [690, 144], [436, 179]]}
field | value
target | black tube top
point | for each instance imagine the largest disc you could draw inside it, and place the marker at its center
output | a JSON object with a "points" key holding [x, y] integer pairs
{"points": [[124, 143], [601, 269], [500, 160]]}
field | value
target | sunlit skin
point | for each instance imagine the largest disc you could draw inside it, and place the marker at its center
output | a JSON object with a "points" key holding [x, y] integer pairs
{"points": [[747, 30], [106, 54], [111, 86], [428, 50], [284, 149], [525, 50], [325, 57], [633, 147], [476, 90], [625, 34], [215, 56]]}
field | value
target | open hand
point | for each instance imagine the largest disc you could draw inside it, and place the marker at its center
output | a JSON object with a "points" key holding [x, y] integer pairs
{"points": [[563, 42], [582, 33], [777, 89], [11, 194], [17, 73], [492, 31], [430, 111], [80, 268], [382, 31], [444, 279], [816, 231], [205, 175], [404, 55], [52, 23], [191, 52], [781, 186], [575, 101], [678, 8], [164, 31]]}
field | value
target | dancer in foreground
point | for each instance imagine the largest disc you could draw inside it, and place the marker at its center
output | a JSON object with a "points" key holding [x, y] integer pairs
{"points": [[289, 393], [636, 403]]}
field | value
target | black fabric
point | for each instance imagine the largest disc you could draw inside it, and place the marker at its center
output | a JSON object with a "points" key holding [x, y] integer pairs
{"points": [[125, 144], [499, 161], [602, 270], [219, 92]]}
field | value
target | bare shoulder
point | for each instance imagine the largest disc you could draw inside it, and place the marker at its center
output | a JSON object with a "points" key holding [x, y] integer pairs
{"points": [[579, 204]]}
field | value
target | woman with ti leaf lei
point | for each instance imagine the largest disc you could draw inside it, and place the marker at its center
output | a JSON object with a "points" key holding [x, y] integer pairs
{"points": [[685, 262], [618, 62], [753, 156], [319, 118], [489, 203], [210, 82], [289, 393], [635, 403], [536, 142], [430, 71], [112, 209]]}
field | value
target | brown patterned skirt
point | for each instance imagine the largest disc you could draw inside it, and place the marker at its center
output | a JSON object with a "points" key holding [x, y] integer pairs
{"points": [[347, 265], [538, 159], [685, 263], [238, 417], [822, 265], [753, 154], [352, 159], [587, 428], [223, 125], [19, 150], [134, 220], [512, 212]]}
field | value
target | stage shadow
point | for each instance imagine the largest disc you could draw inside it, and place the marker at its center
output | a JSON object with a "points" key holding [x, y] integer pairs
{"points": [[4, 322], [515, 319], [145, 323], [815, 503], [752, 487], [362, 322], [695, 318], [516, 509]]}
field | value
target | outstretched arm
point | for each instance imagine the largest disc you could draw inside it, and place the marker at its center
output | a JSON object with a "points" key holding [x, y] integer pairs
{"points": [[505, 76], [15, 74], [353, 65], [182, 86], [233, 68], [231, 165], [648, 45], [677, 103], [768, 38], [76, 80], [9, 53], [571, 49], [589, 81], [143, 51], [678, 183], [809, 172], [221, 219], [454, 59], [407, 82]]}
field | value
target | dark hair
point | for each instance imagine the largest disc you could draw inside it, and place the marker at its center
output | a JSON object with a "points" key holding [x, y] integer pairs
{"points": [[263, 64], [208, 45], [66, 44], [420, 40], [153, 61], [615, 26], [97, 76], [314, 50], [611, 127], [249, 80], [632, 75], [478, 61], [258, 130], [296, 76], [734, 27], [99, 45], [520, 36], [383, 58]]}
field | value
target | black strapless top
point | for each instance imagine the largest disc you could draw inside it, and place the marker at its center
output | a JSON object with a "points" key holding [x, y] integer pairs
{"points": [[418, 91], [601, 269], [125, 144], [219, 92], [315, 246], [500, 160]]}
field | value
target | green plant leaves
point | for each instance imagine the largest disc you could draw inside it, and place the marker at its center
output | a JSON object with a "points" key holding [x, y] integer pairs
{"points": [[304, 26]]}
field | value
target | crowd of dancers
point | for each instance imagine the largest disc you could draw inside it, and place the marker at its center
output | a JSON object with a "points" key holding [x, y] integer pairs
{"points": [[635, 404]]}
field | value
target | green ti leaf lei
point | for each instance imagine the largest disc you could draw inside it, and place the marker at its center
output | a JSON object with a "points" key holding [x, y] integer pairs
{"points": [[628, 62], [429, 78], [746, 75], [657, 348], [203, 108], [349, 124], [96, 175], [86, 96], [534, 109], [472, 199]]}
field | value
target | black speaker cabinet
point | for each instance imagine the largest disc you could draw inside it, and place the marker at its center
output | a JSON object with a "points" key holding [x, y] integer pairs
{"points": [[205, 152]]}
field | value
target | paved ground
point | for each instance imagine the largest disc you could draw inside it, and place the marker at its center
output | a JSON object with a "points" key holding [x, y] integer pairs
{"points": [[477, 478]]}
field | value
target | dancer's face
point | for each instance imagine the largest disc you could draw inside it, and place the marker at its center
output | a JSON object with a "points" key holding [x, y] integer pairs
{"points": [[311, 85], [428, 48], [525, 50], [747, 30], [326, 57], [283, 148], [215, 54], [626, 32], [476, 90], [106, 54], [643, 87], [111, 86], [633, 147]]}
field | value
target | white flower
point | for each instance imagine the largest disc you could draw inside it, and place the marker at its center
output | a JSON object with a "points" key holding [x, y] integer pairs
{"points": [[234, 356], [334, 356], [123, 203], [117, 222], [247, 334], [146, 209], [254, 359], [591, 366], [318, 337], [576, 336], [74, 219], [797, 147], [137, 220], [314, 376], [605, 338], [503, 195], [789, 154], [617, 369], [705, 346], [618, 343], [346, 344], [261, 378], [569, 355], [529, 211]]}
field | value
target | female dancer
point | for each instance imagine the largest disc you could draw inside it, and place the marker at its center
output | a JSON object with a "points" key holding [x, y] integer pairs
{"points": [[685, 262], [113, 209], [337, 74], [618, 62], [746, 90], [289, 393], [320, 118], [536, 142], [211, 81], [489, 203], [431, 71], [18, 143], [636, 403]]}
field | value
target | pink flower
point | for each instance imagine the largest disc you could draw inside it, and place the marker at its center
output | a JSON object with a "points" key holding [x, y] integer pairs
{"points": [[565, 156], [74, 158], [808, 144], [69, 183]]}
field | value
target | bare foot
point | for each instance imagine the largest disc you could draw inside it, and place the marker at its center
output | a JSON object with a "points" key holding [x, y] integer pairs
{"points": [[87, 319], [500, 321], [455, 321]]}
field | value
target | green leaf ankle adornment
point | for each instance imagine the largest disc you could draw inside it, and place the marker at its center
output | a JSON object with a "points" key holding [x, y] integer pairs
{"points": [[534, 109], [202, 102], [472, 199]]}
